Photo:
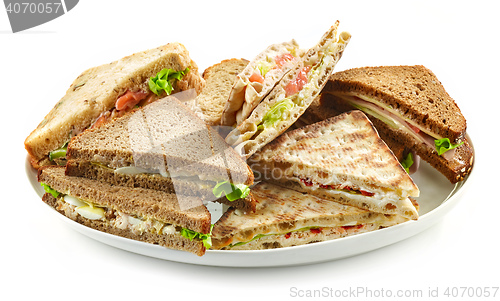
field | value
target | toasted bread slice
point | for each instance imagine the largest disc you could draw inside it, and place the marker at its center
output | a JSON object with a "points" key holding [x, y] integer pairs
{"points": [[259, 77], [291, 96], [321, 108], [219, 80], [142, 214], [412, 98], [96, 91], [285, 218], [343, 159]]}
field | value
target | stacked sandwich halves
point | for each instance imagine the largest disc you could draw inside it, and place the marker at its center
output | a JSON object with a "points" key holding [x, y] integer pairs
{"points": [[145, 165]]}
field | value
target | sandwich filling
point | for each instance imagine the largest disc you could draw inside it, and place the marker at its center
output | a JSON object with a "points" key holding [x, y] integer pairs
{"points": [[74, 207], [393, 119], [379, 198], [300, 236]]}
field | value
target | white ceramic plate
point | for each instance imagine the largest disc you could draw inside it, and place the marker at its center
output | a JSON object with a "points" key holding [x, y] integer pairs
{"points": [[437, 198]]}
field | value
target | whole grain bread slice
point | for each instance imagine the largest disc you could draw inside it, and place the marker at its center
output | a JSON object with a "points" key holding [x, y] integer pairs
{"points": [[96, 90]]}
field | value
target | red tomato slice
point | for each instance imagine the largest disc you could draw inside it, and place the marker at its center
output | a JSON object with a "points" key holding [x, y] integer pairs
{"points": [[255, 77], [298, 82], [129, 99]]}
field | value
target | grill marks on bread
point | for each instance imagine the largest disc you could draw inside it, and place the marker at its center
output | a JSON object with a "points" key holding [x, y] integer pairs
{"points": [[190, 143], [346, 146], [280, 211]]}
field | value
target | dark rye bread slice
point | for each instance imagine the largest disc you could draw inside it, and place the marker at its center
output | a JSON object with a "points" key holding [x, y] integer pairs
{"points": [[164, 130], [219, 79], [454, 169], [413, 91], [147, 203]]}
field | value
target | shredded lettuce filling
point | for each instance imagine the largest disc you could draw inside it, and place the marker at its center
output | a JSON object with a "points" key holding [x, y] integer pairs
{"points": [[264, 67], [164, 80], [407, 162], [275, 114], [231, 191], [444, 145]]}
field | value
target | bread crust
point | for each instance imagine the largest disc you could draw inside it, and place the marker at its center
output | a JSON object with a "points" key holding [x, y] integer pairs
{"points": [[191, 143], [280, 211]]}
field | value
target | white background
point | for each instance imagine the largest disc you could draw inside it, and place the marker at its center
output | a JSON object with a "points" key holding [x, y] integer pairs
{"points": [[41, 257]]}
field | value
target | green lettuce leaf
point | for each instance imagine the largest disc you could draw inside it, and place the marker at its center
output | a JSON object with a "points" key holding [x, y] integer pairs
{"points": [[444, 145], [164, 80], [231, 191], [407, 162], [48, 189], [59, 153], [205, 238]]}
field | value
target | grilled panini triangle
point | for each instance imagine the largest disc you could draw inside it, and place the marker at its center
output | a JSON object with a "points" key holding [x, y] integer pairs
{"points": [[285, 217], [284, 104], [136, 213], [341, 158]]}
